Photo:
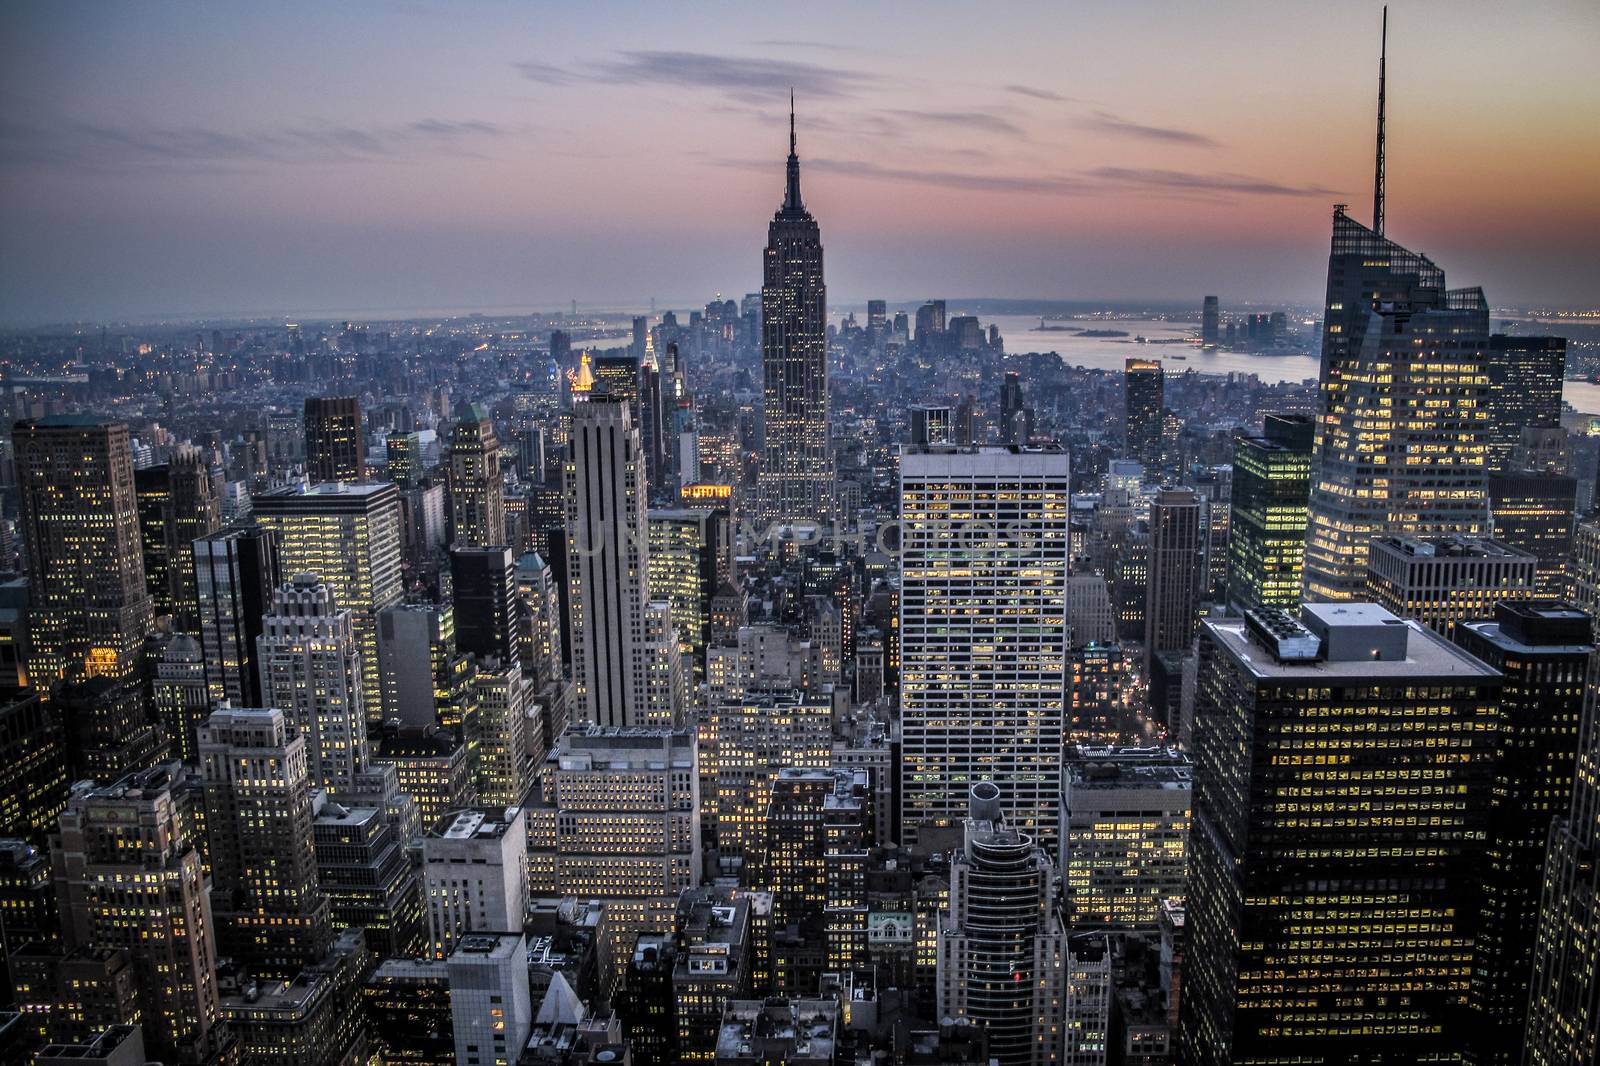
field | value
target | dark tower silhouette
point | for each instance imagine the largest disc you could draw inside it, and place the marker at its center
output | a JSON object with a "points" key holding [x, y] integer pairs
{"points": [[1377, 176]]}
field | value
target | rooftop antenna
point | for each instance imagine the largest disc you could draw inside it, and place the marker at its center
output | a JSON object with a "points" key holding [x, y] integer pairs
{"points": [[1378, 175], [791, 107]]}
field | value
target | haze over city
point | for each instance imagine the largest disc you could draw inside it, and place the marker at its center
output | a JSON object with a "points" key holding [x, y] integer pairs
{"points": [[225, 158]]}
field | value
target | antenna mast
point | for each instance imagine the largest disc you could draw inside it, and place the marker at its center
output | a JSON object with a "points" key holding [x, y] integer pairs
{"points": [[1377, 179]]}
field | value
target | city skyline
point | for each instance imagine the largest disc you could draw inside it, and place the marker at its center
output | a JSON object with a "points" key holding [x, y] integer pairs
{"points": [[153, 167]]}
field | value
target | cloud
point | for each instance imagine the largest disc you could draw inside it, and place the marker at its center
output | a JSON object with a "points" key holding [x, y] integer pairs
{"points": [[545, 74], [1106, 122], [942, 178], [745, 78], [977, 121], [1038, 94], [91, 144], [1098, 181], [1185, 181]]}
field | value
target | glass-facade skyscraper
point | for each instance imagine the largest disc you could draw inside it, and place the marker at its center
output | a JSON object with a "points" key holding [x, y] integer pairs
{"points": [[1343, 771], [1267, 528], [1403, 428]]}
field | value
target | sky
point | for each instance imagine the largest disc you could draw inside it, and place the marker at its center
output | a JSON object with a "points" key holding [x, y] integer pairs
{"points": [[221, 158]]}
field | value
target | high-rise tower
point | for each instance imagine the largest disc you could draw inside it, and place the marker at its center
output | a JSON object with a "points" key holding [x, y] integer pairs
{"points": [[614, 622], [1404, 424], [1144, 393], [90, 609], [796, 482], [477, 493]]}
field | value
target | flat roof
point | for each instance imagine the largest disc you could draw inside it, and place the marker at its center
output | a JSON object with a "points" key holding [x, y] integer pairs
{"points": [[1428, 655]]}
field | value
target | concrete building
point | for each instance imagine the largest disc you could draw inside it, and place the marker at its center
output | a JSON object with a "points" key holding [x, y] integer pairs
{"points": [[475, 874]]}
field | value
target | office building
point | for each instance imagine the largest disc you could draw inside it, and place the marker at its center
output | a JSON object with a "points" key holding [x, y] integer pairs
{"points": [[483, 588], [178, 503], [1536, 512], [1209, 320], [406, 1003], [1334, 923], [1443, 581], [128, 877], [1176, 572], [404, 462], [349, 536], [1563, 1022], [1145, 400], [270, 909], [1543, 648], [33, 768], [336, 447], [311, 671], [965, 633], [1124, 835], [614, 652], [182, 700], [711, 958], [505, 752], [89, 608], [1267, 526], [1015, 418], [1525, 379], [433, 767], [110, 731], [491, 1011], [817, 830], [364, 871], [236, 572], [691, 554], [1403, 423], [477, 504], [744, 745], [475, 874], [313, 1017], [1001, 946], [416, 660], [796, 479]]}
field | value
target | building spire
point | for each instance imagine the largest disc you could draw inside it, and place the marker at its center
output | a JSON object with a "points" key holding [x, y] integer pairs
{"points": [[1377, 178], [791, 195]]}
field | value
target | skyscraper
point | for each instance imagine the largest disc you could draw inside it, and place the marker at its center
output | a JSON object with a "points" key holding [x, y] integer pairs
{"points": [[1525, 379], [89, 609], [1177, 571], [1267, 529], [1209, 319], [1144, 396], [1563, 1024], [477, 491], [613, 653], [984, 543], [1543, 648], [1403, 426], [1333, 875], [236, 572], [796, 481], [1444, 581], [271, 909], [690, 556], [310, 671], [1536, 512], [1012, 431], [1001, 946], [177, 504], [475, 872], [336, 447], [483, 586], [129, 877], [348, 534]]}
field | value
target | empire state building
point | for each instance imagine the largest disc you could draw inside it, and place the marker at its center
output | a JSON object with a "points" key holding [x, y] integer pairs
{"points": [[796, 482]]}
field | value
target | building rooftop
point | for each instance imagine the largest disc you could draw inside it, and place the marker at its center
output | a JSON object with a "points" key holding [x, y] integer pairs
{"points": [[778, 1030], [1451, 547], [477, 823], [1427, 655]]}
